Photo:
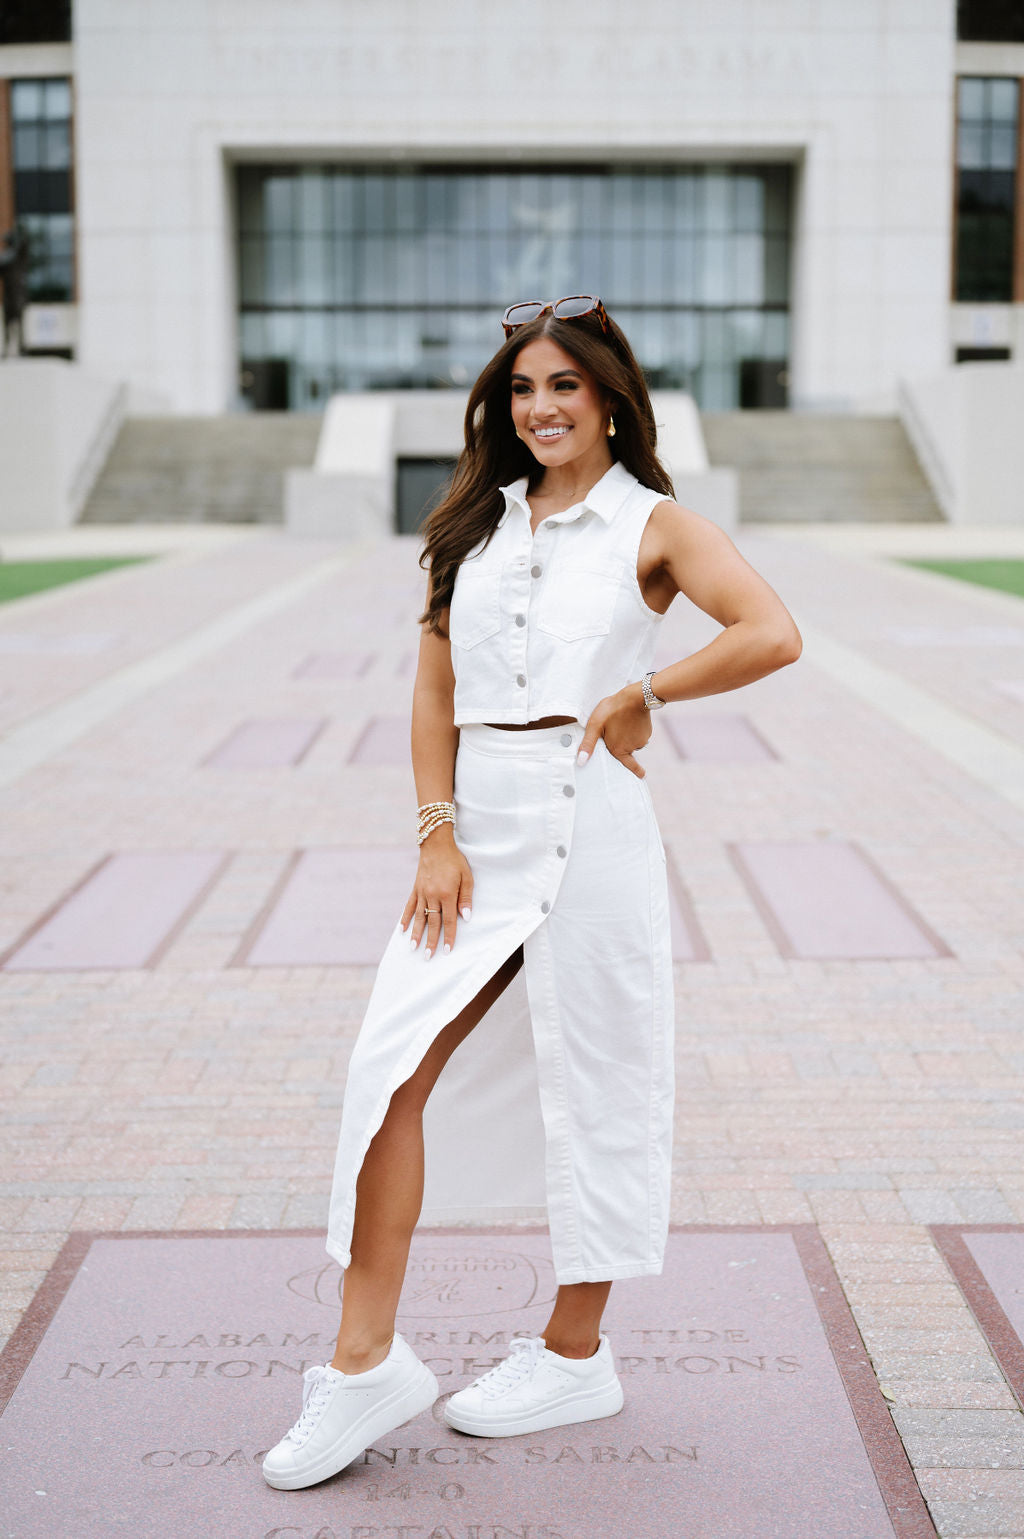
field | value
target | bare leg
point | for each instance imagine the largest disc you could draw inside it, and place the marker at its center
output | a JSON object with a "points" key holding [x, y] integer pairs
{"points": [[575, 1325], [389, 1195]]}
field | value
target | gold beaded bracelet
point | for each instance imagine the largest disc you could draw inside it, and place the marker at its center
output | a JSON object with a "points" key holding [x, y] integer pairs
{"points": [[431, 815]]}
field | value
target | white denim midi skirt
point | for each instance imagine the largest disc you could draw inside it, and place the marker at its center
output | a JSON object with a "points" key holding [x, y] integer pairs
{"points": [[559, 1103]]}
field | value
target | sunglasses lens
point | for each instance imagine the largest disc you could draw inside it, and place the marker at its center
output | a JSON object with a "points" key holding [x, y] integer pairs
{"points": [[579, 304], [520, 315]]}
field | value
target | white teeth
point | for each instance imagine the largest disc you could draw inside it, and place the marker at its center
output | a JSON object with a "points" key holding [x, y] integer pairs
{"points": [[550, 432]]}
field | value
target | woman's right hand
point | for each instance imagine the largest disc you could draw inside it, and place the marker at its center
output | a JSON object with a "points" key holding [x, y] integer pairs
{"points": [[444, 883]]}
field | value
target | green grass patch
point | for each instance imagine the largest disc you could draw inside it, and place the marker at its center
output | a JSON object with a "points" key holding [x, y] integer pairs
{"points": [[1006, 575], [18, 578]]}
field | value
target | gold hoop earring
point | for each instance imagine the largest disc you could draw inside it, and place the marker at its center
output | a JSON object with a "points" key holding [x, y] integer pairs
{"points": [[611, 427]]}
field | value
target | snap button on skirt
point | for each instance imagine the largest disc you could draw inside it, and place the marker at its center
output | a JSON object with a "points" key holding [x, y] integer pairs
{"points": [[559, 1103]]}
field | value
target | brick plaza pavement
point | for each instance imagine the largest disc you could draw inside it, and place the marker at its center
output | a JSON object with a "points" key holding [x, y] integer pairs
{"points": [[870, 1097]]}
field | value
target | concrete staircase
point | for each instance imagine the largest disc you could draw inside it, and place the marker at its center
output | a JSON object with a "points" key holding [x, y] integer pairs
{"points": [[194, 470], [794, 467], [802, 468]]}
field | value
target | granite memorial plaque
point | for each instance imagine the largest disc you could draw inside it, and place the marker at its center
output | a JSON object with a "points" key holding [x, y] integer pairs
{"points": [[271, 742], [828, 899], [313, 919], [987, 1261], [719, 737], [125, 912], [153, 1371], [343, 666]]}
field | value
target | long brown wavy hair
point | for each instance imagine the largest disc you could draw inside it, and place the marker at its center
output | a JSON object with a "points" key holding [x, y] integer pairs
{"points": [[494, 456]]}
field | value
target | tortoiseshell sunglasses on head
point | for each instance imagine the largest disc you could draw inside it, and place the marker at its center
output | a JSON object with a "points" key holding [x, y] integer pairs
{"points": [[569, 309]]}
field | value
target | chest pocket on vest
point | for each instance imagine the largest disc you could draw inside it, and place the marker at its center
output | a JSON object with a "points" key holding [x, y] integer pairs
{"points": [[579, 602], [475, 611]]}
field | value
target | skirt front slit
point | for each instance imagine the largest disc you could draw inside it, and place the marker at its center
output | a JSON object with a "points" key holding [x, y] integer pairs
{"points": [[559, 1102]]}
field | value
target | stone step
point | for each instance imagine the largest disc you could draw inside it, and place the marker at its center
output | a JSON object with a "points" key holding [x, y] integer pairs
{"points": [[793, 467], [801, 467], [227, 469]]}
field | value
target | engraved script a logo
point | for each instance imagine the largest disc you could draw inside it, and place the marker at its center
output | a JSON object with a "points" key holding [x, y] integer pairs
{"points": [[447, 1284]]}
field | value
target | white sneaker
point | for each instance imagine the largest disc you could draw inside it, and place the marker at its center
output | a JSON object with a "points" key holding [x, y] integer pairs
{"points": [[343, 1413], [534, 1389]]}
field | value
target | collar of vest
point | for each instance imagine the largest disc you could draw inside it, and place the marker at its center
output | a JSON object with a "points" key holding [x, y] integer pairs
{"points": [[604, 498]]}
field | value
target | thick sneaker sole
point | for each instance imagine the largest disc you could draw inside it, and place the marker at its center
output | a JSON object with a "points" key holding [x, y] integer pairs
{"points": [[399, 1408], [574, 1406]]}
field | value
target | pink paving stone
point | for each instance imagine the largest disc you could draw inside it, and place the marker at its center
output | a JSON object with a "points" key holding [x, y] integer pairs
{"points": [[718, 738], [828, 900], [987, 1261], [750, 1407], [123, 915], [267, 743], [384, 740], [334, 665]]}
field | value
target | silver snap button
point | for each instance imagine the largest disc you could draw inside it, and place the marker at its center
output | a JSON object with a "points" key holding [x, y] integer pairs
{"points": [[568, 790], [545, 907], [561, 852], [565, 739], [521, 680], [520, 619], [535, 571]]}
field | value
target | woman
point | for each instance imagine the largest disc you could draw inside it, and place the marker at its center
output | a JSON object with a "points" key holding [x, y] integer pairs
{"points": [[552, 563]]}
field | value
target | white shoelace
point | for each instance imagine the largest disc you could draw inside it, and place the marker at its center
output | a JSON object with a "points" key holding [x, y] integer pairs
{"points": [[525, 1353], [316, 1390]]}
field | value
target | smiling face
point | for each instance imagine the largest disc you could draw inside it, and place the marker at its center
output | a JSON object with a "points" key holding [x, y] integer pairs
{"points": [[558, 409]]}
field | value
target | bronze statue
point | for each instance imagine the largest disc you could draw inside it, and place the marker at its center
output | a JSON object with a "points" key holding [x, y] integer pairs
{"points": [[14, 264]]}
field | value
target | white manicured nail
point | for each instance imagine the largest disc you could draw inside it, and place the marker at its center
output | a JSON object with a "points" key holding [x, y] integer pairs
{"points": [[447, 948], [412, 943], [465, 912], [429, 953], [582, 756]]}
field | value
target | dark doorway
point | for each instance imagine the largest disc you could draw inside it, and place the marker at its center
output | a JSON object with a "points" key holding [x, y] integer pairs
{"points": [[763, 384], [264, 383], [982, 355], [421, 485]]}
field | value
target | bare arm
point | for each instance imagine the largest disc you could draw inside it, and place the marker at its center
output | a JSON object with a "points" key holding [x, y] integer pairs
{"points": [[759, 634], [435, 737], [444, 881]]}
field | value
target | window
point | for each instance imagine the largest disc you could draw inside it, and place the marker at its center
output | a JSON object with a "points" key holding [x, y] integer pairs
{"points": [[987, 130], [990, 21], [35, 21], [41, 154], [374, 277]]}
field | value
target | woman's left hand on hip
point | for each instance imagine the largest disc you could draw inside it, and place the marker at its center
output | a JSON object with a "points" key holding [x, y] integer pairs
{"points": [[625, 724]]}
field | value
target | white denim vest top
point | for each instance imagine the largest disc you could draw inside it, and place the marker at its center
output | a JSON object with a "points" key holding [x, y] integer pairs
{"points": [[548, 624]]}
